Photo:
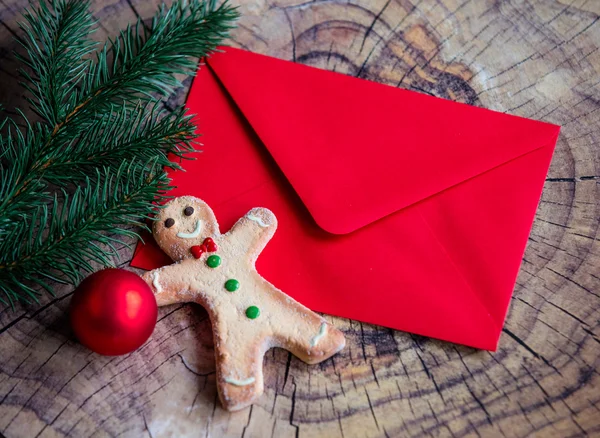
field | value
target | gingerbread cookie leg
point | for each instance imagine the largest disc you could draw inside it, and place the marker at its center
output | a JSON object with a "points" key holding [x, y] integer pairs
{"points": [[311, 342], [305, 334], [239, 371]]}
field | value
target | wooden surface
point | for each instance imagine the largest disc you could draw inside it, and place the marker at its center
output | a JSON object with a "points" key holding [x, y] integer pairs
{"points": [[537, 59]]}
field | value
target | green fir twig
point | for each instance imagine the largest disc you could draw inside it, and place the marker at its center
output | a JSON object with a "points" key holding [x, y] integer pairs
{"points": [[93, 162], [58, 242]]}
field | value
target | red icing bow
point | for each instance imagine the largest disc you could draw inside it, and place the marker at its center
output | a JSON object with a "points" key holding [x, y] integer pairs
{"points": [[208, 245]]}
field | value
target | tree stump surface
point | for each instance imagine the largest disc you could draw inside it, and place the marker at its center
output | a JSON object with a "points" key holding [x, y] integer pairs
{"points": [[538, 59]]}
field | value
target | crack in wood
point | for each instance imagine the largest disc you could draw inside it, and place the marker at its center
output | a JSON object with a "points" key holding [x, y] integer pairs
{"points": [[370, 28], [530, 350]]}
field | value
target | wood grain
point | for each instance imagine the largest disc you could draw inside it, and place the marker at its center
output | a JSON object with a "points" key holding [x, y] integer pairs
{"points": [[537, 59]]}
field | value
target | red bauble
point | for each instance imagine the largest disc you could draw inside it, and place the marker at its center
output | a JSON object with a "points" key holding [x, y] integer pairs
{"points": [[113, 312]]}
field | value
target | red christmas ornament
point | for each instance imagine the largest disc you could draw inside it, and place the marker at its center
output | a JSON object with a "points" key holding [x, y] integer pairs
{"points": [[113, 312]]}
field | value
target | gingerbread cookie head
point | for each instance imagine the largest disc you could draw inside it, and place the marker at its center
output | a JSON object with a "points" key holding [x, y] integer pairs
{"points": [[183, 225]]}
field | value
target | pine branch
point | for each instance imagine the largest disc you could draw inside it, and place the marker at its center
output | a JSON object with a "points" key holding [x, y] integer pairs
{"points": [[101, 126], [140, 62], [60, 240], [57, 42], [20, 192], [145, 132]]}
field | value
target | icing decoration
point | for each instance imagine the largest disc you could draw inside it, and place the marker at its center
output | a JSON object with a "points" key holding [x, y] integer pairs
{"points": [[194, 233], [213, 261], [258, 220], [244, 382], [315, 340], [252, 312], [188, 211], [155, 283], [169, 222], [232, 285]]}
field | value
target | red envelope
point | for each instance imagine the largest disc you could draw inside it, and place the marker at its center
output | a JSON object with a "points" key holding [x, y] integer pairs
{"points": [[395, 208]]}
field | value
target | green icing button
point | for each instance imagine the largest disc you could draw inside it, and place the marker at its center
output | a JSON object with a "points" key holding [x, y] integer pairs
{"points": [[232, 285], [213, 261], [252, 312]]}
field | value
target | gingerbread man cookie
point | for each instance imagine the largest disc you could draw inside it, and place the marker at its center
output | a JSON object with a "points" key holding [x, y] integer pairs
{"points": [[248, 314]]}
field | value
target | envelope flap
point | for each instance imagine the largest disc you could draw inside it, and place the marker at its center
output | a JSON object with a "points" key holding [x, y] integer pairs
{"points": [[411, 145]]}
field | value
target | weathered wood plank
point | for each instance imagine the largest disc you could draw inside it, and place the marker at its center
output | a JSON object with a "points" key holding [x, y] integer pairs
{"points": [[538, 59]]}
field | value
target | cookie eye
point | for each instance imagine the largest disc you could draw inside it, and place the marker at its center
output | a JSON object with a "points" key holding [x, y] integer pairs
{"points": [[188, 211], [169, 223]]}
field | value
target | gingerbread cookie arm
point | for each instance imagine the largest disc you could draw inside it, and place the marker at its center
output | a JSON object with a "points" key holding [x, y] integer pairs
{"points": [[169, 283], [254, 230]]}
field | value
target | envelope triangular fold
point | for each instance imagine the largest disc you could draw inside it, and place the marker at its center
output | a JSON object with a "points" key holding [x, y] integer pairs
{"points": [[363, 142], [484, 225]]}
